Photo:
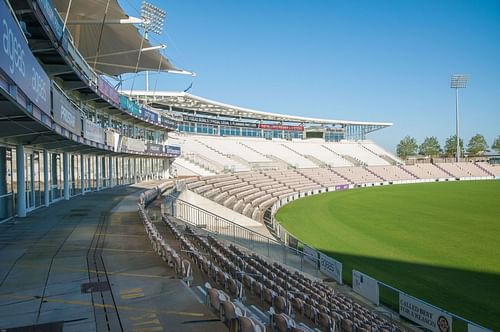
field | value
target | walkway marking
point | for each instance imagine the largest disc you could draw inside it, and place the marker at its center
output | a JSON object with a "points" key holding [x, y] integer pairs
{"points": [[110, 306], [131, 293], [148, 322]]}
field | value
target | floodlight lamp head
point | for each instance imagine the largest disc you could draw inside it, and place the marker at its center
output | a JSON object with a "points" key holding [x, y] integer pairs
{"points": [[459, 81], [152, 18]]}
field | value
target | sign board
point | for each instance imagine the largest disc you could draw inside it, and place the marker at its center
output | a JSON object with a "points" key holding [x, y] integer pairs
{"points": [[173, 150], [108, 91], [311, 255], [19, 64], [292, 241], [341, 186], [65, 113], [330, 267], [154, 148], [132, 145], [280, 127], [149, 115], [365, 286], [134, 108], [168, 122], [424, 315], [52, 17], [216, 122], [93, 131], [112, 139]]}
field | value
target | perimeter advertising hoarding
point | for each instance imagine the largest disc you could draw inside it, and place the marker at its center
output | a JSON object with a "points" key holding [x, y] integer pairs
{"points": [[65, 114], [17, 61], [330, 267], [475, 328], [149, 115], [365, 286], [341, 186], [424, 315], [311, 255], [93, 131], [108, 91]]}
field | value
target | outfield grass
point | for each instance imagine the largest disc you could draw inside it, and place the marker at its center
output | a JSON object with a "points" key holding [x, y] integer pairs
{"points": [[437, 241]]}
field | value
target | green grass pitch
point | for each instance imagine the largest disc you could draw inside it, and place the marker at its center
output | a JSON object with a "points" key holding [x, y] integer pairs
{"points": [[437, 241]]}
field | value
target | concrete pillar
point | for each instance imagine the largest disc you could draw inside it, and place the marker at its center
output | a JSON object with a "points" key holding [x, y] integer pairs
{"points": [[134, 174], [46, 190], [82, 173], [32, 181], [21, 185], [110, 171], [66, 175], [97, 186]]}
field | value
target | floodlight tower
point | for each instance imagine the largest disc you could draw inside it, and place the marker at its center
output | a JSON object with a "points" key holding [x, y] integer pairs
{"points": [[458, 81], [152, 19]]}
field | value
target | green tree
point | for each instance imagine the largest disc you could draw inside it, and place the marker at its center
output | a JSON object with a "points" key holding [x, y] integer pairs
{"points": [[496, 144], [407, 147], [477, 145], [450, 146], [430, 147]]}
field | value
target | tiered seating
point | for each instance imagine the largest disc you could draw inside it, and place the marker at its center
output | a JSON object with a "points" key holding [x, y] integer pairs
{"points": [[278, 149], [250, 278], [380, 152], [391, 173], [316, 150], [357, 175], [492, 169], [206, 155], [232, 146], [463, 169], [324, 176], [293, 180], [434, 171], [356, 151]]}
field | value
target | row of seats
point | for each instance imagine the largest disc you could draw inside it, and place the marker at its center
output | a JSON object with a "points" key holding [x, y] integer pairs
{"points": [[292, 296]]}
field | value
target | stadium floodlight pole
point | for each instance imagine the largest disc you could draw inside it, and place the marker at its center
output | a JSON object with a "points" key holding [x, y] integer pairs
{"points": [[152, 19], [458, 81]]}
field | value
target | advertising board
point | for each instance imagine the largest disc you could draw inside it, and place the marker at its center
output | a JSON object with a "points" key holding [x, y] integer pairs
{"points": [[93, 131], [365, 286], [424, 315], [330, 267], [65, 113], [19, 64]]}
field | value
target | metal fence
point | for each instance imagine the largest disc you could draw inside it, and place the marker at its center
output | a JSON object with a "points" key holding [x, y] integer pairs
{"points": [[224, 229]]}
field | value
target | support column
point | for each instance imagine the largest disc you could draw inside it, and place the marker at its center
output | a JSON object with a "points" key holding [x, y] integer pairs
{"points": [[66, 175], [110, 171], [21, 185], [135, 170], [97, 186], [4, 210], [46, 190], [82, 173]]}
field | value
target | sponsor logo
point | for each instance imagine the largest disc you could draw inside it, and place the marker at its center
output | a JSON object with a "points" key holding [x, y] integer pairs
{"points": [[12, 48]]}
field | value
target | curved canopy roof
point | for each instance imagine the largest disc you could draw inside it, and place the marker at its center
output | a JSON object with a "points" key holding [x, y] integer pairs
{"points": [[117, 50], [184, 100]]}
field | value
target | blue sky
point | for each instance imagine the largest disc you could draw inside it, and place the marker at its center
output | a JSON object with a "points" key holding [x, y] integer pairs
{"points": [[387, 61]]}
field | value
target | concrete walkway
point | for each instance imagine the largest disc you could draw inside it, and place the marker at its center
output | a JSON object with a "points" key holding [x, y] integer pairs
{"points": [[86, 265]]}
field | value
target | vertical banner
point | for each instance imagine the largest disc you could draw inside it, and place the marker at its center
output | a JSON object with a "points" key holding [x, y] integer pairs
{"points": [[365, 286], [330, 267], [425, 315], [19, 64]]}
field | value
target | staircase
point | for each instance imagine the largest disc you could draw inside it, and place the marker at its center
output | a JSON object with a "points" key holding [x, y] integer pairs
{"points": [[451, 175], [350, 159], [372, 172], [407, 171], [484, 169]]}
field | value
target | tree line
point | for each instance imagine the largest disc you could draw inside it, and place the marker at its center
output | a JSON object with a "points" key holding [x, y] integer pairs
{"points": [[477, 146]]}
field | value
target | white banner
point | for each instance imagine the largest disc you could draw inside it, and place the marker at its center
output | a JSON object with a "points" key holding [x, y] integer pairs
{"points": [[423, 314], [365, 286], [330, 267], [311, 255]]}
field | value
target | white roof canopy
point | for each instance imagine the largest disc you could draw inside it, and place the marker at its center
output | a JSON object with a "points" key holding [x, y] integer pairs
{"points": [[188, 101], [114, 46]]}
